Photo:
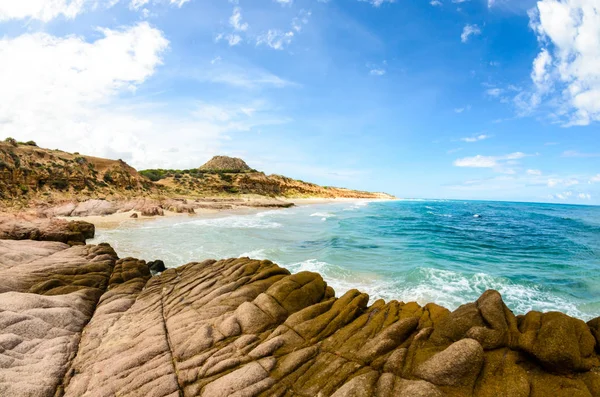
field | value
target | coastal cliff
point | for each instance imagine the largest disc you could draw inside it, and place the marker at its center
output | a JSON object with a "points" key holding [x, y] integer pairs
{"points": [[79, 321], [33, 177]]}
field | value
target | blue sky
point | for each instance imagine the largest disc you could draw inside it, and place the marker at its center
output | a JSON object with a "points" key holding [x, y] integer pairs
{"points": [[443, 99]]}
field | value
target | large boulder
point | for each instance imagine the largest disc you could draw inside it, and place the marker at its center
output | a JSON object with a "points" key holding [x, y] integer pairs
{"points": [[24, 227]]}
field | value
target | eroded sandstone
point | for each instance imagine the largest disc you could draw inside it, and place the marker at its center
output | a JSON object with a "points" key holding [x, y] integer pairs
{"points": [[242, 327]]}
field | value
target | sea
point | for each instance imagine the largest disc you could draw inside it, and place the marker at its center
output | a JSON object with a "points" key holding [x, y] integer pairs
{"points": [[542, 257]]}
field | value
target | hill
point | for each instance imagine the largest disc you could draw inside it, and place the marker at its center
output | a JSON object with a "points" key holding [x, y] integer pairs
{"points": [[29, 173], [226, 164]]}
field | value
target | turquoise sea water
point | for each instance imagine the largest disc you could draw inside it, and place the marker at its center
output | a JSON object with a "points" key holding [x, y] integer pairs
{"points": [[539, 256]]}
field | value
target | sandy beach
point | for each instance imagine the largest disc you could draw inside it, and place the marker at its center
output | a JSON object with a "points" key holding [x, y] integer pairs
{"points": [[121, 218]]}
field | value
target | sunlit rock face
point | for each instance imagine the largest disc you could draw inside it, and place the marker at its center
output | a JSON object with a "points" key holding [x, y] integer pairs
{"points": [[77, 321]]}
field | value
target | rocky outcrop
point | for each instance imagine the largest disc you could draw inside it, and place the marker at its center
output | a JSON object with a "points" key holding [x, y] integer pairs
{"points": [[225, 164], [23, 227], [242, 327], [29, 173]]}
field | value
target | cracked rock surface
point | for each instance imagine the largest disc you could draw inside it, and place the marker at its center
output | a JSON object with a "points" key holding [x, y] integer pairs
{"points": [[78, 321]]}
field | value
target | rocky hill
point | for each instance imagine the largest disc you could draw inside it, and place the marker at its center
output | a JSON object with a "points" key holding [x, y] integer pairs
{"points": [[232, 176], [226, 164], [78, 321], [29, 173]]}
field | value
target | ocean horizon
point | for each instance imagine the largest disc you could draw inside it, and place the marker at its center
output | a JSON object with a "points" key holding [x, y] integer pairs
{"points": [[539, 256]]}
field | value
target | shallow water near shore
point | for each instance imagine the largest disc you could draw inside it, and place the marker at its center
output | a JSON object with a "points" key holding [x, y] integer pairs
{"points": [[539, 256]]}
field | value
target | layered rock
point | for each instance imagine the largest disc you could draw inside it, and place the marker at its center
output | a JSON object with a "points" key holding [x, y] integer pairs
{"points": [[23, 227], [243, 327]]}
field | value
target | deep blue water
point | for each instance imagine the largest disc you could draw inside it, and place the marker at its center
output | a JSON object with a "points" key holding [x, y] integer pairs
{"points": [[539, 256]]}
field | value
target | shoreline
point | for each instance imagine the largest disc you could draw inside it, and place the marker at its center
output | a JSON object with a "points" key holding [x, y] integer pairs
{"points": [[118, 219]]}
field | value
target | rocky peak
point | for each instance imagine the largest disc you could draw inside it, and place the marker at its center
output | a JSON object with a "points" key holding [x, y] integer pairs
{"points": [[226, 164]]}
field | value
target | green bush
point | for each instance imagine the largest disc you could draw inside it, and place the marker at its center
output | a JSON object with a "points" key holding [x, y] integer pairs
{"points": [[60, 184], [11, 141], [108, 178]]}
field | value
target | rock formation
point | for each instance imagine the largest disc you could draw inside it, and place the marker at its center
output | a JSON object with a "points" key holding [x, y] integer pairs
{"points": [[77, 321], [225, 164], [23, 227]]}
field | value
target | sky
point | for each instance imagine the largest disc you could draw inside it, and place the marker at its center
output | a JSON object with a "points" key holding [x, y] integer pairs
{"points": [[456, 99]]}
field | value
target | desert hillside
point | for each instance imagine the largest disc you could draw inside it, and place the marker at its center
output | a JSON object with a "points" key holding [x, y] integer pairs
{"points": [[29, 173]]}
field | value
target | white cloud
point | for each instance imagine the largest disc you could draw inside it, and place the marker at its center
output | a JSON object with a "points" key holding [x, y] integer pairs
{"points": [[468, 31], [534, 172], [494, 92], [239, 76], [275, 38], [575, 153], [236, 20], [475, 138], [285, 2], [461, 110], [497, 162], [81, 99], [40, 9], [570, 30], [377, 3], [584, 196], [300, 20], [377, 72], [561, 196], [47, 10], [137, 4], [231, 38], [436, 3], [554, 182], [594, 179]]}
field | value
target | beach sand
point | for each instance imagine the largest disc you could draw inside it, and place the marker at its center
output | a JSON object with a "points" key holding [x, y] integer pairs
{"points": [[119, 219]]}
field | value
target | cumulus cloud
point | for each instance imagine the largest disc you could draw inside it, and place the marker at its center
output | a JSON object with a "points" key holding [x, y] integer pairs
{"points": [[47, 10], [595, 179], [84, 99], [569, 32], [584, 196], [534, 172], [436, 3], [40, 10], [468, 31]]}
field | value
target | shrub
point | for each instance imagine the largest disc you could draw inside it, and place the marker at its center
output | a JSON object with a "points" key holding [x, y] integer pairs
{"points": [[60, 184], [80, 160], [108, 177], [24, 189], [11, 141], [31, 143]]}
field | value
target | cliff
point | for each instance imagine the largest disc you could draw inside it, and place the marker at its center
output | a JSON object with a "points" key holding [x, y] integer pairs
{"points": [[28, 173], [78, 321]]}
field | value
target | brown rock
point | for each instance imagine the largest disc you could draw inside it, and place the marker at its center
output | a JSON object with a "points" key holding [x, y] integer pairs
{"points": [[560, 343], [459, 364], [24, 227]]}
